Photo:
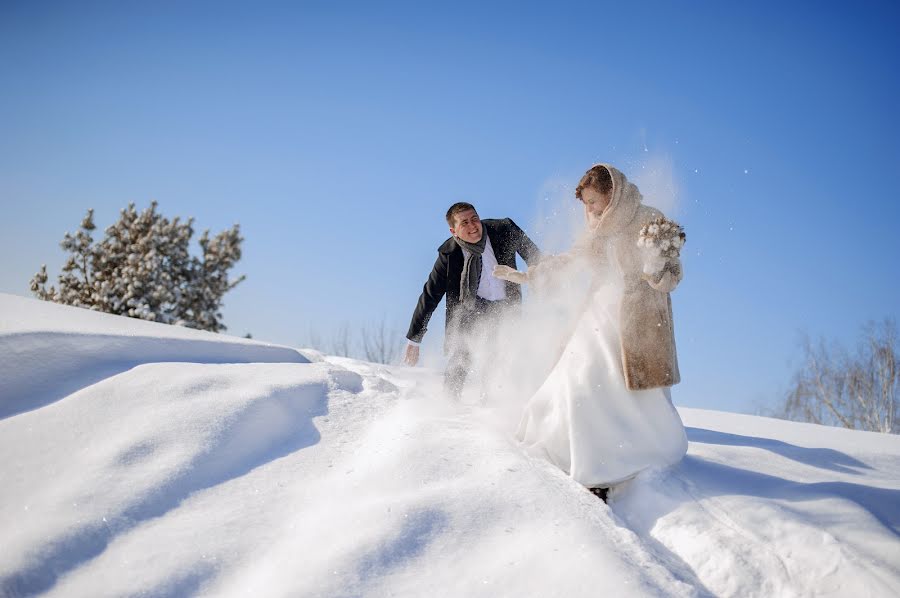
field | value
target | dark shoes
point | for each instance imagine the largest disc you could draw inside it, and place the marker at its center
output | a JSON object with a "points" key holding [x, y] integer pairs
{"points": [[600, 493]]}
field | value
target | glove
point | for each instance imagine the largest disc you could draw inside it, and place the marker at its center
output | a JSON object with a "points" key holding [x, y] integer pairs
{"points": [[507, 273]]}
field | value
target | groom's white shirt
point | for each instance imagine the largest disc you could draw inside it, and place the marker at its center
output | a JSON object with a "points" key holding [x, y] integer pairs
{"points": [[489, 287]]}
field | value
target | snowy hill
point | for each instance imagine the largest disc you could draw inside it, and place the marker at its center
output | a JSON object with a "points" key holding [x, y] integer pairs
{"points": [[138, 458]]}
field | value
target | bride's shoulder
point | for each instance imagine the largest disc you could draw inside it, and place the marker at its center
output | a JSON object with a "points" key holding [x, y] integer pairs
{"points": [[644, 216], [648, 213]]}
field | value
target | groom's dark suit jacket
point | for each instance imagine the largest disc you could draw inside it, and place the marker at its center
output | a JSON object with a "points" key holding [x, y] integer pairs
{"points": [[506, 239]]}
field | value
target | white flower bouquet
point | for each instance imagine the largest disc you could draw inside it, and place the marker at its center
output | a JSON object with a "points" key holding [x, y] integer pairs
{"points": [[660, 240]]}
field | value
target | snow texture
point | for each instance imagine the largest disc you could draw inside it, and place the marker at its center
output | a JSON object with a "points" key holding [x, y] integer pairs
{"points": [[144, 459]]}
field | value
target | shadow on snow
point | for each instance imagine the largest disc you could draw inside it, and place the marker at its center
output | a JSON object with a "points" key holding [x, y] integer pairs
{"points": [[240, 449], [824, 458]]}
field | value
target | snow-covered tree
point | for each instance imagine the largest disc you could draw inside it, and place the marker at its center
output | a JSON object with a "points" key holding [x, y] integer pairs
{"points": [[142, 268]]}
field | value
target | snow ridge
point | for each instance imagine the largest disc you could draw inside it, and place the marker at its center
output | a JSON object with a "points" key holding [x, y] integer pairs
{"points": [[61, 349], [143, 459]]}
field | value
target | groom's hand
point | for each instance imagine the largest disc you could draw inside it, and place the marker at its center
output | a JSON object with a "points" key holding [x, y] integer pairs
{"points": [[412, 355], [510, 274]]}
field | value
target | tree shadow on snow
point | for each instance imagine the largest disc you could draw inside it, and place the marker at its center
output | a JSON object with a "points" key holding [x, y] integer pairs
{"points": [[824, 458], [716, 479], [246, 443], [413, 537], [188, 584], [695, 479]]}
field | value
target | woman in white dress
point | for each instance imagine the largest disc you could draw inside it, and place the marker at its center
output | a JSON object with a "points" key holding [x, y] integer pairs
{"points": [[605, 413]]}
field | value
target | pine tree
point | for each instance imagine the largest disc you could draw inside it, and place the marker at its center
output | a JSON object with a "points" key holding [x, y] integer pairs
{"points": [[143, 269]]}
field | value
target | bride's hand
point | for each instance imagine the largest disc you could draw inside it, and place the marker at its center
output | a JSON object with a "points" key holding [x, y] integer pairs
{"points": [[667, 278], [506, 273]]}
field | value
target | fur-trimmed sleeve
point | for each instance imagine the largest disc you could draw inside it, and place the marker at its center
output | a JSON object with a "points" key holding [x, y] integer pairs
{"points": [[668, 278]]}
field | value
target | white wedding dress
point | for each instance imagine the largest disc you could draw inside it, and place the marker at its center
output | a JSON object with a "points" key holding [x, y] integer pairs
{"points": [[584, 420]]}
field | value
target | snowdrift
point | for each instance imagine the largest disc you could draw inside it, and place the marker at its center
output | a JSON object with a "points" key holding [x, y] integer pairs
{"points": [[51, 350], [138, 458]]}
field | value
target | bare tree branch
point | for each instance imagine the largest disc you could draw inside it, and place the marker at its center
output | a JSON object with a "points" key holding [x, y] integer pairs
{"points": [[858, 391], [380, 344]]}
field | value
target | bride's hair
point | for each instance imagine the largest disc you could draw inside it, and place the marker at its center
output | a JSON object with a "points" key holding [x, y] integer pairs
{"points": [[597, 178]]}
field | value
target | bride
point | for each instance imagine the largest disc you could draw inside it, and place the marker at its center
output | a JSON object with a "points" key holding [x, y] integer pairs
{"points": [[605, 413]]}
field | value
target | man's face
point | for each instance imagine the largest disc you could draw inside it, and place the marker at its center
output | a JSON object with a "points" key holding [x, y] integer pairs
{"points": [[468, 226], [595, 203]]}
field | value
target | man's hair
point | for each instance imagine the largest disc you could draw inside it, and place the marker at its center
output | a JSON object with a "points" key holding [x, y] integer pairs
{"points": [[597, 178], [456, 208]]}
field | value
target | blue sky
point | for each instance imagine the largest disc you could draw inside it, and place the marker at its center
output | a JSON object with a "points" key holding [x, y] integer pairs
{"points": [[338, 133]]}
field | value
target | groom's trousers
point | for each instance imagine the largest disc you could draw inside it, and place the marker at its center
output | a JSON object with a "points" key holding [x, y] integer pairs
{"points": [[474, 341]]}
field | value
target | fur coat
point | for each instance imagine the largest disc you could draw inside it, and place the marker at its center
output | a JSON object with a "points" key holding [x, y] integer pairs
{"points": [[649, 358]]}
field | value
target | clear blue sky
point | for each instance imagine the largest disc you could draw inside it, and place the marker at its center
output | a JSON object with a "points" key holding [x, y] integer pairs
{"points": [[338, 133]]}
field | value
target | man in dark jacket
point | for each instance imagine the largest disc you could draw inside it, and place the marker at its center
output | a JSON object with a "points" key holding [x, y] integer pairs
{"points": [[463, 272]]}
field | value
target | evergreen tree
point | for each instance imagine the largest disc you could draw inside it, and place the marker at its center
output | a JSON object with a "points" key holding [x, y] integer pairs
{"points": [[142, 268]]}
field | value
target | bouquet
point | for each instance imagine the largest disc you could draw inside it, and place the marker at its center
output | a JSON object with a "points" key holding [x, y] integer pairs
{"points": [[660, 239]]}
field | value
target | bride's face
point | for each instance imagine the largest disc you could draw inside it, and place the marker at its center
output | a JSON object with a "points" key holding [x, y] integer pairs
{"points": [[595, 203]]}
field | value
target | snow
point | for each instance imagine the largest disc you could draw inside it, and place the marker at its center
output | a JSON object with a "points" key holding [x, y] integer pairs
{"points": [[140, 458], [52, 350]]}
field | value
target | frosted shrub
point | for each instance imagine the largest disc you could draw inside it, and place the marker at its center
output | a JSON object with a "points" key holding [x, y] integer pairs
{"points": [[142, 268]]}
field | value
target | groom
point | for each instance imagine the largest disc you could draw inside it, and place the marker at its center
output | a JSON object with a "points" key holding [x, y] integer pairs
{"points": [[475, 298]]}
